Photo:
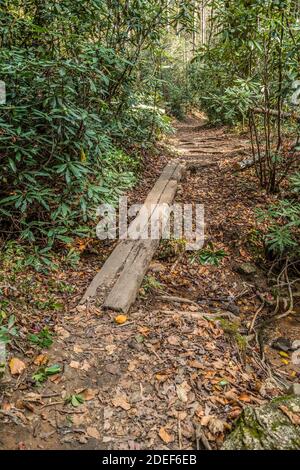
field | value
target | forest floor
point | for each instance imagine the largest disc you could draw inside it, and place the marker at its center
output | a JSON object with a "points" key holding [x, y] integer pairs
{"points": [[170, 377]]}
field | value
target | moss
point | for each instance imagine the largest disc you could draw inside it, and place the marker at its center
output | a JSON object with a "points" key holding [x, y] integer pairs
{"points": [[266, 427], [232, 329], [254, 432], [283, 398], [242, 342]]}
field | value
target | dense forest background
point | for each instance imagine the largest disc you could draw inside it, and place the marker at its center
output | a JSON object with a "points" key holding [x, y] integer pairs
{"points": [[95, 90], [88, 84]]}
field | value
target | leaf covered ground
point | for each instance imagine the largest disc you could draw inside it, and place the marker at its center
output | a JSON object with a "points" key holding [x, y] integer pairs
{"points": [[179, 371]]}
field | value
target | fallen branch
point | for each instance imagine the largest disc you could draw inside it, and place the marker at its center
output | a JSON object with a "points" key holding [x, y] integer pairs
{"points": [[244, 164], [199, 315], [200, 437], [255, 316], [275, 113], [16, 420], [171, 298]]}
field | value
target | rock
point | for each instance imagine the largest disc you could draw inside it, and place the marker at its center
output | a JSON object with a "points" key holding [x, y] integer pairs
{"points": [[246, 268], [267, 427], [296, 345], [282, 344], [294, 389], [137, 346]]}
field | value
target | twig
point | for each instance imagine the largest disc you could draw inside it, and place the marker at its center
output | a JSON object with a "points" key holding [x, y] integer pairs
{"points": [[153, 351], [255, 316], [200, 437], [67, 412], [290, 293], [50, 395], [171, 298], [52, 404], [14, 418], [199, 315], [179, 435], [177, 262]]}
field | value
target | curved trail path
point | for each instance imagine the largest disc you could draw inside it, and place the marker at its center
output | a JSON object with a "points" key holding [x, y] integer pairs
{"points": [[171, 377]]}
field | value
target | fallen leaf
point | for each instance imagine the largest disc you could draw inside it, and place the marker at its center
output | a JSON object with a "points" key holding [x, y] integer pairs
{"points": [[205, 420], [244, 397], [85, 366], [216, 426], [283, 354], [144, 330], [121, 319], [75, 364], [181, 415], [193, 308], [235, 413], [174, 340], [293, 417], [196, 365], [285, 361], [182, 391], [93, 432], [161, 377], [218, 364], [77, 349], [41, 360], [132, 366], [139, 338], [121, 402], [89, 394], [6, 406], [61, 332], [165, 436], [110, 349], [113, 369], [231, 395], [79, 419], [16, 366], [34, 397]]}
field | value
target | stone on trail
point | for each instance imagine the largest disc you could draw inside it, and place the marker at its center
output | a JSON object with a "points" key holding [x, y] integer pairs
{"points": [[294, 389], [246, 268], [282, 344], [274, 426]]}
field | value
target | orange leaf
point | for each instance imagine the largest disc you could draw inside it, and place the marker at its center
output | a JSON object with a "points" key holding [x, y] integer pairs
{"points": [[16, 366], [41, 360], [120, 319], [245, 397], [165, 436]]}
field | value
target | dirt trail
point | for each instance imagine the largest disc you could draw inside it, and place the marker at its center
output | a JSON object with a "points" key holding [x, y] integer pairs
{"points": [[170, 375]]}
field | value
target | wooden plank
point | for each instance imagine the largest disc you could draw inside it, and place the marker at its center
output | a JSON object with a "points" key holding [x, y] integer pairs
{"points": [[109, 271], [170, 171], [126, 288], [124, 252]]}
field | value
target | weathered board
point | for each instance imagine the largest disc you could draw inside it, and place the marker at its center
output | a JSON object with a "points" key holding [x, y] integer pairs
{"points": [[121, 276], [126, 287]]}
